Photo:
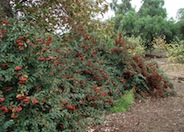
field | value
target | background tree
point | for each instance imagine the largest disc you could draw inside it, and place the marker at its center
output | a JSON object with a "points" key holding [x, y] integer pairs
{"points": [[149, 22], [55, 14], [152, 8], [180, 23], [69, 18], [180, 14], [121, 10], [127, 23]]}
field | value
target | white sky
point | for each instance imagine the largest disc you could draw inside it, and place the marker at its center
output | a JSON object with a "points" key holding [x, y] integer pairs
{"points": [[172, 7]]}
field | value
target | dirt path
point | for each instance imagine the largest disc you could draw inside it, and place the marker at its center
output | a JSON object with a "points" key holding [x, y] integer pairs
{"points": [[157, 115]]}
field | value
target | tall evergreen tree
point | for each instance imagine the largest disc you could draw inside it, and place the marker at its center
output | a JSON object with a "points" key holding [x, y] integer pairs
{"points": [[152, 8], [122, 8]]}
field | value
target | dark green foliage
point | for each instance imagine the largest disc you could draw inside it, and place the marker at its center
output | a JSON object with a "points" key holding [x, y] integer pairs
{"points": [[148, 23]]}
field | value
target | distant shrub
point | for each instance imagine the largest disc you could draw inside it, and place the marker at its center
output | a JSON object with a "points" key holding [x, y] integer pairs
{"points": [[135, 46], [176, 52], [159, 43]]}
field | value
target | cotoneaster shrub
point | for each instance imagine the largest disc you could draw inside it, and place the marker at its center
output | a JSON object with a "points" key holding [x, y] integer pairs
{"points": [[145, 78], [27, 83], [48, 86], [43, 88]]}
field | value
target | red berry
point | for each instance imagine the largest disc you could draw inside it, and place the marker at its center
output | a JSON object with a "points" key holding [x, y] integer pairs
{"points": [[2, 107], [104, 94], [20, 97], [27, 99], [44, 49], [21, 37], [49, 40], [63, 102], [34, 101], [3, 31], [18, 41], [14, 116], [32, 45], [53, 58], [106, 77], [109, 102], [19, 74], [40, 41], [2, 99], [48, 59], [70, 107], [8, 89], [5, 22], [82, 102], [5, 110], [82, 58], [94, 52], [56, 91], [4, 64], [123, 80], [96, 90], [17, 68], [17, 109], [20, 44], [22, 80], [21, 49], [41, 59]]}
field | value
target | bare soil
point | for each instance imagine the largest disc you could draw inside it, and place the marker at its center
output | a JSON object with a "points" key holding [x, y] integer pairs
{"points": [[157, 115]]}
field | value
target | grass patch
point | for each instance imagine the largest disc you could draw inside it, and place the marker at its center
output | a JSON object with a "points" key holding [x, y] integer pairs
{"points": [[124, 103]]}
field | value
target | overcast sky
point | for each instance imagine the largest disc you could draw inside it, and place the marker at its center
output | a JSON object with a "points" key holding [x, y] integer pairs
{"points": [[172, 7]]}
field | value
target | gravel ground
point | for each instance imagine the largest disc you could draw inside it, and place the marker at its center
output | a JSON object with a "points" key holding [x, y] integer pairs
{"points": [[157, 115]]}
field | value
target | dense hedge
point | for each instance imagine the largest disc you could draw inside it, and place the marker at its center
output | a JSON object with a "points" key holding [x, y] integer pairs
{"points": [[47, 88]]}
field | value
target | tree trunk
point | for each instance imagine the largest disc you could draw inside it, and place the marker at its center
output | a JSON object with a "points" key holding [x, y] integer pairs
{"points": [[6, 8]]}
